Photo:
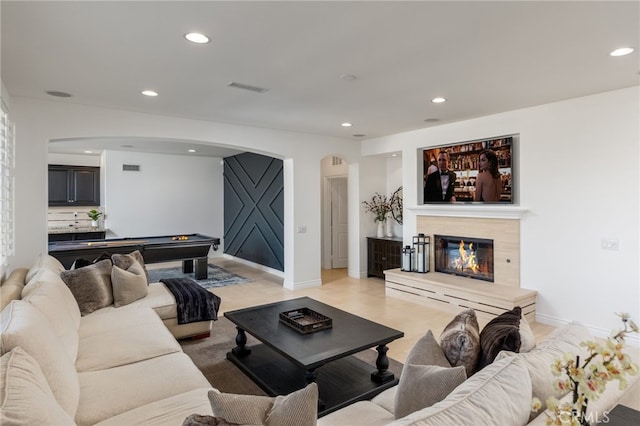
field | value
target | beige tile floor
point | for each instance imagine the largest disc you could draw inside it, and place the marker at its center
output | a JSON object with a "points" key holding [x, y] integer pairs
{"points": [[363, 297]]}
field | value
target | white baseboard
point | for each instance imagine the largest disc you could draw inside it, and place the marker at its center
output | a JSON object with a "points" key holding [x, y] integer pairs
{"points": [[302, 285], [632, 339], [254, 265]]}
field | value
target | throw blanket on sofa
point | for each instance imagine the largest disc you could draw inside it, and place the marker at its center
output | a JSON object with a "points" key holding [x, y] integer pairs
{"points": [[194, 303]]}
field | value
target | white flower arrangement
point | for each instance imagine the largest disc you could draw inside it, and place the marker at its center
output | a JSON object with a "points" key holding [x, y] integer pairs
{"points": [[588, 380]]}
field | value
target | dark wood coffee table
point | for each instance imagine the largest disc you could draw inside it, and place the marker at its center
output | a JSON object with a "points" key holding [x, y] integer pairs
{"points": [[288, 360]]}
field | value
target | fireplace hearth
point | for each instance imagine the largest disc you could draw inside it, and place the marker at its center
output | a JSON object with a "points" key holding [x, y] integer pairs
{"points": [[464, 256]]}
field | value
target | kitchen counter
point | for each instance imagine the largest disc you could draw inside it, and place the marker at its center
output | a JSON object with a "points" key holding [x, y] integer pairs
{"points": [[74, 230]]}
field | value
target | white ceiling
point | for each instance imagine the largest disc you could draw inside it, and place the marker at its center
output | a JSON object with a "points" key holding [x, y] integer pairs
{"points": [[484, 57]]}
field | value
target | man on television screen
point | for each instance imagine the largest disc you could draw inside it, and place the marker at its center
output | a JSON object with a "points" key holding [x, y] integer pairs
{"points": [[441, 184]]}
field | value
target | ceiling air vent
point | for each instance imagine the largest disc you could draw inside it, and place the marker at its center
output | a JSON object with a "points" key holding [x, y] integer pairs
{"points": [[247, 87], [130, 167]]}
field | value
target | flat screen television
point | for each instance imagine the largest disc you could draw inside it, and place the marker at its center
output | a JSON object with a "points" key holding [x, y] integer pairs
{"points": [[464, 160]]}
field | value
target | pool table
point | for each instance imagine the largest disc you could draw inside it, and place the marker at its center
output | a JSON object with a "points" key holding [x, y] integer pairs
{"points": [[153, 249]]}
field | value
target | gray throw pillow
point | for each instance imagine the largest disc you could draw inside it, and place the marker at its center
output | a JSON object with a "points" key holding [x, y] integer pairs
{"points": [[125, 261], [299, 408], [427, 351], [500, 334], [460, 341], [90, 286], [128, 285], [422, 386]]}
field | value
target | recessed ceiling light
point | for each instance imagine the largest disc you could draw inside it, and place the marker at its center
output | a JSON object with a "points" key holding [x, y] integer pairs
{"points": [[431, 120], [621, 52], [191, 150], [394, 155], [197, 38], [359, 135], [438, 100], [126, 146], [88, 152], [346, 124], [149, 93], [58, 94], [348, 77]]}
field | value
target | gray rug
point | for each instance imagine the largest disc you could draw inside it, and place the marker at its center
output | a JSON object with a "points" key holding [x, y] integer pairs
{"points": [[209, 355], [218, 277]]}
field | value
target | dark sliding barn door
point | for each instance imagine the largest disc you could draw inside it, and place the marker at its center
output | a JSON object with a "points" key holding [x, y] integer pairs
{"points": [[254, 209]]}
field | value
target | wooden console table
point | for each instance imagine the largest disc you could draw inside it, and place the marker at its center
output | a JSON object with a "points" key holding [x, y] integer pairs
{"points": [[383, 253], [453, 293]]}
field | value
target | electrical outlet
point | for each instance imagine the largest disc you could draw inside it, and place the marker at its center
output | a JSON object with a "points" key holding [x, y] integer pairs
{"points": [[607, 244]]}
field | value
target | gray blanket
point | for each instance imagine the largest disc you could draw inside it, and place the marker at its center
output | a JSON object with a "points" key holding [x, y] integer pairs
{"points": [[193, 302]]}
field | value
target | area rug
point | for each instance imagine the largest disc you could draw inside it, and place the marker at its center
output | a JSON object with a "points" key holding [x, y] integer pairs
{"points": [[209, 355], [218, 277]]}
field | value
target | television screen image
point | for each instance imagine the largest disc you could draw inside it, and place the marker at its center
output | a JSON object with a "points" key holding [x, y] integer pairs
{"points": [[479, 171]]}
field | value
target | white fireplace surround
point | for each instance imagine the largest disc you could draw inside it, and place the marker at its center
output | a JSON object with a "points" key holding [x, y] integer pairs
{"points": [[453, 293]]}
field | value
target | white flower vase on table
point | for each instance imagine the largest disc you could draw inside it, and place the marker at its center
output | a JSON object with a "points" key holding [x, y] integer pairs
{"points": [[380, 229], [389, 228]]}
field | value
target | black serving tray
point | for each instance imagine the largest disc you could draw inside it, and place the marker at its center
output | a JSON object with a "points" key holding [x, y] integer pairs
{"points": [[305, 320]]}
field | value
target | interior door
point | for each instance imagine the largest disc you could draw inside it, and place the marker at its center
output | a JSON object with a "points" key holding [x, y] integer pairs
{"points": [[339, 223]]}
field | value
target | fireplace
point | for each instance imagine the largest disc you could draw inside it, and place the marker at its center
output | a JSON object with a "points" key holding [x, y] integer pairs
{"points": [[464, 256]]}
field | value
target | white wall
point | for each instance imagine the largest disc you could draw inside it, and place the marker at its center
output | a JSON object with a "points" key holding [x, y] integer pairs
{"points": [[170, 195], [37, 122], [579, 184]]}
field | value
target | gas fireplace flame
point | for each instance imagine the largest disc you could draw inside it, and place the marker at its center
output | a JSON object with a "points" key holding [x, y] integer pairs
{"points": [[467, 259]]}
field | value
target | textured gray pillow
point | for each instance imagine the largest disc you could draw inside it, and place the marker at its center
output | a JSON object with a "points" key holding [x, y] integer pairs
{"points": [[422, 386], [502, 333], [427, 351], [128, 285], [460, 341], [91, 286], [299, 408], [125, 261]]}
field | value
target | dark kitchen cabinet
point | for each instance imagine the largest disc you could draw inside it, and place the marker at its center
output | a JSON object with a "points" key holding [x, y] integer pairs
{"points": [[74, 186], [382, 254]]}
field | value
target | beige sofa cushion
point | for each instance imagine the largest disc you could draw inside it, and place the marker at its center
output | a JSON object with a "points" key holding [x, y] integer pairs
{"points": [[90, 285], [500, 394], [159, 298], [44, 261], [11, 288], [25, 395], [299, 408], [122, 337], [128, 285], [169, 411], [47, 292], [24, 326], [361, 413], [114, 391], [563, 340]]}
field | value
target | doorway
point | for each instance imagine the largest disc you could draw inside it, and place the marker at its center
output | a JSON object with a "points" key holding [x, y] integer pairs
{"points": [[338, 210]]}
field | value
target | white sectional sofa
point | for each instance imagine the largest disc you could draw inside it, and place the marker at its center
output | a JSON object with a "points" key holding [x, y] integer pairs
{"points": [[116, 366], [122, 366]]}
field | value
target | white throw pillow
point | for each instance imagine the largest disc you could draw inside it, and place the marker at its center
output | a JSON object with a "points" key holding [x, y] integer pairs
{"points": [[25, 395]]}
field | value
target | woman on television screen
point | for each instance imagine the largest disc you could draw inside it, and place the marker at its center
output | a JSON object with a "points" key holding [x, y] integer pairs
{"points": [[488, 183]]}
